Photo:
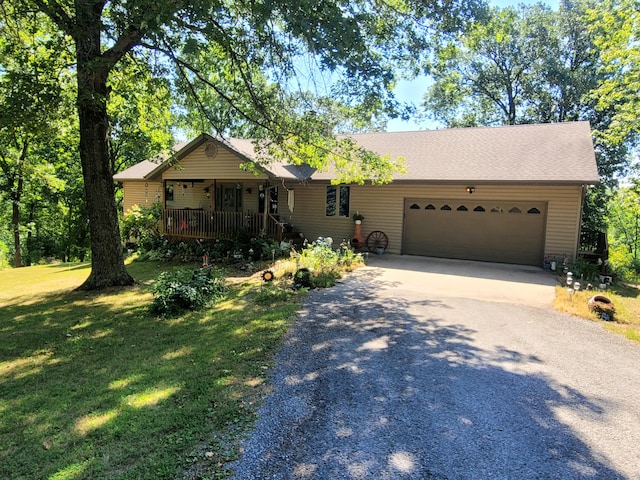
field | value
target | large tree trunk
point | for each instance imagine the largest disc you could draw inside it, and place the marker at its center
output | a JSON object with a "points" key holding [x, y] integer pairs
{"points": [[15, 222], [107, 260], [17, 182]]}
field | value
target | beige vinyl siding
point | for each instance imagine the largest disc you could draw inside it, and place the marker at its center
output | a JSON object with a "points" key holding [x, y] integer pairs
{"points": [[383, 209], [142, 193], [188, 195], [222, 169], [197, 165]]}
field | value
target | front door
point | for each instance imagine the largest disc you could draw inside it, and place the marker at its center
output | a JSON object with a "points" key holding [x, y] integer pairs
{"points": [[229, 197]]}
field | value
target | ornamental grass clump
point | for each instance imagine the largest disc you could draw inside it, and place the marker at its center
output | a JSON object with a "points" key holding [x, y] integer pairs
{"points": [[179, 290]]}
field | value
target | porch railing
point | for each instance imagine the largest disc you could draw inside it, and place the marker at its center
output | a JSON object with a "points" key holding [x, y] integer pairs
{"points": [[187, 223]]}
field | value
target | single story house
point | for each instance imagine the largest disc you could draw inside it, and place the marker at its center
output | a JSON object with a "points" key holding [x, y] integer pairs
{"points": [[510, 194]]}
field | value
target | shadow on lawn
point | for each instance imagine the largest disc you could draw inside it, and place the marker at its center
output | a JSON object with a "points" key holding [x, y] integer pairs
{"points": [[626, 290], [92, 387], [383, 388]]}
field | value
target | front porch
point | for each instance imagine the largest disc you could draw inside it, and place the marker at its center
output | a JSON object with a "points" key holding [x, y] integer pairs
{"points": [[209, 224]]}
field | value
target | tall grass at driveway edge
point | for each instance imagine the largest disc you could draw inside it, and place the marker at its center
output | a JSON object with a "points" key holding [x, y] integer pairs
{"points": [[94, 386]]}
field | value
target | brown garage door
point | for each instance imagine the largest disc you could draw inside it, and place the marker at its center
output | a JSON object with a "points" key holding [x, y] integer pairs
{"points": [[494, 231]]}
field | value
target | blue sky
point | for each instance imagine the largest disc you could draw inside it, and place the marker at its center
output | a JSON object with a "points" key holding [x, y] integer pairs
{"points": [[413, 91]]}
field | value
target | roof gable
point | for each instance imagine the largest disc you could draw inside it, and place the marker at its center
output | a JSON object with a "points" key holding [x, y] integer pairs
{"points": [[186, 154]]}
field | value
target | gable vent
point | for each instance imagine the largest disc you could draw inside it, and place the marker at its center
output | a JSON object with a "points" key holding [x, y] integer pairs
{"points": [[210, 149]]}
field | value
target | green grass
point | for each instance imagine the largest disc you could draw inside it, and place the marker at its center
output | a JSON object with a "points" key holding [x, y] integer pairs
{"points": [[93, 386], [625, 297]]}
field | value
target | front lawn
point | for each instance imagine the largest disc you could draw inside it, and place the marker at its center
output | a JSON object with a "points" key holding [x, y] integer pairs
{"points": [[94, 386], [625, 297]]}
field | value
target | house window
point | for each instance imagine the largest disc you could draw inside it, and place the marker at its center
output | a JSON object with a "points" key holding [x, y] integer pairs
{"points": [[338, 199], [168, 192]]}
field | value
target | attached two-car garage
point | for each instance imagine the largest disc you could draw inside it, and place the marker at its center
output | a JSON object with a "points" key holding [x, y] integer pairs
{"points": [[495, 231]]}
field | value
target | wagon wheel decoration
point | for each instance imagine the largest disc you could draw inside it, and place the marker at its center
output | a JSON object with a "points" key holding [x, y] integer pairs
{"points": [[377, 240]]}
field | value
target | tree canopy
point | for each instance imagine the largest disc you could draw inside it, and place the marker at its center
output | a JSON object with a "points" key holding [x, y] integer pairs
{"points": [[535, 65], [236, 63], [615, 25]]}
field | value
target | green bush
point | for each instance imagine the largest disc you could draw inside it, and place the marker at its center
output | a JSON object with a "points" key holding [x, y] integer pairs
{"points": [[141, 225], [623, 263], [4, 255], [319, 257], [585, 270], [319, 266], [325, 279], [270, 294], [182, 289]]}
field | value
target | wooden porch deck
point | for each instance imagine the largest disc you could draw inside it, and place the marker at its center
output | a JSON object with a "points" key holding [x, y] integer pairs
{"points": [[208, 224]]}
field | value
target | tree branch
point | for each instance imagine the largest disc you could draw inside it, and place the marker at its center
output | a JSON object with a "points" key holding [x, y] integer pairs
{"points": [[123, 45], [245, 75], [182, 64], [55, 12]]}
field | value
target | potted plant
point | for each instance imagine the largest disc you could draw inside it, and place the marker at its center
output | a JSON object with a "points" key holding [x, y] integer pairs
{"points": [[357, 217]]}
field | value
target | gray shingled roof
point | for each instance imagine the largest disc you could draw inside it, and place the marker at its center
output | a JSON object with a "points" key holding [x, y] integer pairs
{"points": [[139, 171], [544, 153], [539, 153]]}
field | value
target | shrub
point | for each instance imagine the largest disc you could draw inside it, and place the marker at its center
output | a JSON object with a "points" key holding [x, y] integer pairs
{"points": [[182, 289], [584, 270], [141, 225], [318, 257], [325, 279], [623, 263], [4, 255], [265, 248], [348, 257], [319, 266], [270, 294]]}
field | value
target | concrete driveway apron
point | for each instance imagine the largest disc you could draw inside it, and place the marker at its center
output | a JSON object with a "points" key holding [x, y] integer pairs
{"points": [[421, 368]]}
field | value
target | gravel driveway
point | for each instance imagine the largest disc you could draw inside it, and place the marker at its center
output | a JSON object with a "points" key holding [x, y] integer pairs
{"points": [[422, 372]]}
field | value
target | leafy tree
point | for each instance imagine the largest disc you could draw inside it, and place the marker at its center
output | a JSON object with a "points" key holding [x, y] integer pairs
{"points": [[531, 65], [624, 235], [518, 66], [31, 84], [244, 53], [615, 25], [481, 75], [139, 110]]}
